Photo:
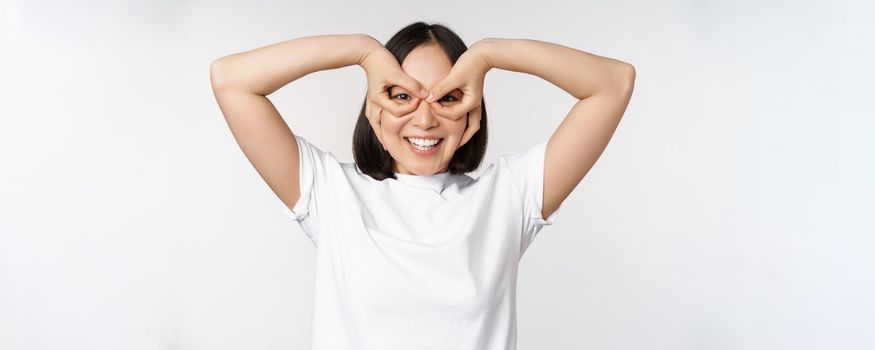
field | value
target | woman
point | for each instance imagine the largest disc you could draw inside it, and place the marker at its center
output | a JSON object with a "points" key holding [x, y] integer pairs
{"points": [[411, 252]]}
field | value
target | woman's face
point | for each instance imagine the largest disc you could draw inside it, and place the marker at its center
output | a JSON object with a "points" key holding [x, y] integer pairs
{"points": [[428, 64]]}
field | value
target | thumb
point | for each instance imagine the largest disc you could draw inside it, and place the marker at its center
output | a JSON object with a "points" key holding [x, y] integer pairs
{"points": [[442, 88], [410, 84]]}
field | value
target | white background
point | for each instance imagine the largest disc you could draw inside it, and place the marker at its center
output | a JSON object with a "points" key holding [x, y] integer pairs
{"points": [[731, 210]]}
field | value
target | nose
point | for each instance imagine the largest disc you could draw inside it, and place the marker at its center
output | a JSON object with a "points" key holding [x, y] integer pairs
{"points": [[423, 116]]}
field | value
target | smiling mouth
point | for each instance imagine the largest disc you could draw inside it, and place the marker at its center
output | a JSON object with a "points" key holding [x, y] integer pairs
{"points": [[427, 148]]}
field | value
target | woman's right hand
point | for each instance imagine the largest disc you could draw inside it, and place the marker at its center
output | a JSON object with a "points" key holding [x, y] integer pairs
{"points": [[384, 72]]}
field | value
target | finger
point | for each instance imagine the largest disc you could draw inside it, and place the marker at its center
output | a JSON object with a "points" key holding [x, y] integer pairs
{"points": [[374, 121], [442, 88], [401, 80], [367, 106], [379, 127], [457, 110], [477, 117], [474, 118], [382, 97], [408, 83], [399, 108]]}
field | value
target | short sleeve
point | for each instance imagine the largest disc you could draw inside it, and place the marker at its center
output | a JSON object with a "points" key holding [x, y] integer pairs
{"points": [[313, 164], [527, 171]]}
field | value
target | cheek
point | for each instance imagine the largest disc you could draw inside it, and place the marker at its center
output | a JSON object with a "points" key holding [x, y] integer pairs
{"points": [[390, 126], [459, 128]]}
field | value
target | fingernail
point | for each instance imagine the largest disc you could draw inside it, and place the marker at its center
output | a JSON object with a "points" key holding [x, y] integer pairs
{"points": [[424, 93], [430, 98]]}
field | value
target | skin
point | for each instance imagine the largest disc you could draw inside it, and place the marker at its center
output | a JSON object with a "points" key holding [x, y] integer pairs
{"points": [[428, 64], [242, 81]]}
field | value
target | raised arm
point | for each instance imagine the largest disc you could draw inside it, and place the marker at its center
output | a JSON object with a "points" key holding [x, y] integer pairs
{"points": [[604, 87], [242, 81]]}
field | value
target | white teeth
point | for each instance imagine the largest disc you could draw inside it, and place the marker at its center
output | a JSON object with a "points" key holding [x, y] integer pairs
{"points": [[423, 142], [429, 144]]}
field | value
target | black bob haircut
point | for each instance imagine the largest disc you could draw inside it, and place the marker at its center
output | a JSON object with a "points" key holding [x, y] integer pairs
{"points": [[369, 155]]}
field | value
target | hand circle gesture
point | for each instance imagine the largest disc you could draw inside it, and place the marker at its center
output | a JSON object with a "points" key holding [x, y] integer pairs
{"points": [[467, 75], [384, 72]]}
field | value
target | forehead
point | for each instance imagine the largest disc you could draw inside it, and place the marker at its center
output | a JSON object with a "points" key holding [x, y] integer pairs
{"points": [[428, 64]]}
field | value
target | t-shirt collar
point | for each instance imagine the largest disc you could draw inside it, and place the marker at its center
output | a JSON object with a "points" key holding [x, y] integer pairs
{"points": [[436, 182]]}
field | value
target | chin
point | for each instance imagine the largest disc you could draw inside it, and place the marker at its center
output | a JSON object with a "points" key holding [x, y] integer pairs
{"points": [[426, 170]]}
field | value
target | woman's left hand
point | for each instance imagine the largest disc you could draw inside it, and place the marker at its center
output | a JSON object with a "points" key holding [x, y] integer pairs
{"points": [[467, 75]]}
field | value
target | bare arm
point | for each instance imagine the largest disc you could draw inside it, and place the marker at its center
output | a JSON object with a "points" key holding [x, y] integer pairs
{"points": [[604, 87], [242, 81]]}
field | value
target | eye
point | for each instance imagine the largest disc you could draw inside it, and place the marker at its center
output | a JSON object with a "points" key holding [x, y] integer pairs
{"points": [[453, 98], [447, 98], [406, 97]]}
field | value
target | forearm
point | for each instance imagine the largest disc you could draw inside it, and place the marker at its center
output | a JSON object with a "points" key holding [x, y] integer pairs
{"points": [[579, 73], [266, 69]]}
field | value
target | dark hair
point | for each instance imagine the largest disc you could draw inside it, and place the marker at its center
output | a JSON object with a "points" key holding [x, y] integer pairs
{"points": [[369, 154]]}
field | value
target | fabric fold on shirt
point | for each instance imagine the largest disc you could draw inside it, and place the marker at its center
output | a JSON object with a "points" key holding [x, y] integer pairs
{"points": [[419, 261]]}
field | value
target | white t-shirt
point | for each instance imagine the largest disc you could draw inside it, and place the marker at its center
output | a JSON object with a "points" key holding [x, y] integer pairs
{"points": [[421, 262]]}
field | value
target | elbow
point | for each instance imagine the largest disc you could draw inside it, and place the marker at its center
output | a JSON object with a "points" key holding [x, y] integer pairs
{"points": [[627, 78], [215, 77]]}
